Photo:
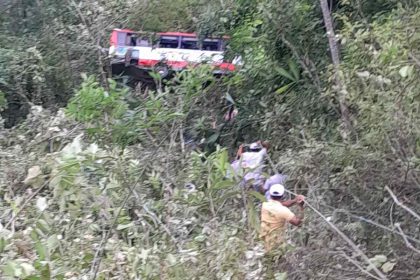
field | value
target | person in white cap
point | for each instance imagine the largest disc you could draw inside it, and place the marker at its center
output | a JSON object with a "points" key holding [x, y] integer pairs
{"points": [[273, 180], [275, 216]]}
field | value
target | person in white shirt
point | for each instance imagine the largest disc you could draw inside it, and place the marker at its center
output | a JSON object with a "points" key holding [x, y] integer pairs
{"points": [[251, 163]]}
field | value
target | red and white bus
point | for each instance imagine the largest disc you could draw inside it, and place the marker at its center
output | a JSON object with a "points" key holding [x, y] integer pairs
{"points": [[171, 51]]}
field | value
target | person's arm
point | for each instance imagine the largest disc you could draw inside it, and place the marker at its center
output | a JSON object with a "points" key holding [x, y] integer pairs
{"points": [[289, 203], [266, 145], [286, 214], [297, 220], [240, 151], [298, 199]]}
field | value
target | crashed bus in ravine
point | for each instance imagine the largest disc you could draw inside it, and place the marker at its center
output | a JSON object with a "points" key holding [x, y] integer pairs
{"points": [[137, 54]]}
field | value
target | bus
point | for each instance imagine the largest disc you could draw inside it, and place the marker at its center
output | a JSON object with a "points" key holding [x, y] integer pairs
{"points": [[167, 52]]}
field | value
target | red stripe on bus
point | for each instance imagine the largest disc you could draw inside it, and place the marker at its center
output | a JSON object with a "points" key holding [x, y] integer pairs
{"points": [[177, 65]]}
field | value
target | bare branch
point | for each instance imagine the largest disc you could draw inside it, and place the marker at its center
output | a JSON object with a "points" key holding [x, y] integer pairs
{"points": [[29, 200], [399, 203], [415, 59], [366, 220], [346, 238], [409, 245], [357, 264], [386, 228]]}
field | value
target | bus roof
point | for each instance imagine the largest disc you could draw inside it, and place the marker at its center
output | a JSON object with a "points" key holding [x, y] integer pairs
{"points": [[183, 34], [124, 30]]}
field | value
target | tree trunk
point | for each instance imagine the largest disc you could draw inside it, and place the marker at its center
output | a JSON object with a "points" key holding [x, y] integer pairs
{"points": [[335, 56]]}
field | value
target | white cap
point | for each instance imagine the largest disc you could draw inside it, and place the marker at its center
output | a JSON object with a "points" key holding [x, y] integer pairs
{"points": [[254, 146], [277, 190]]}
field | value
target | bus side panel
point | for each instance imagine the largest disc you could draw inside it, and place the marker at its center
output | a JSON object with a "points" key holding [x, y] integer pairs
{"points": [[169, 54], [114, 38]]}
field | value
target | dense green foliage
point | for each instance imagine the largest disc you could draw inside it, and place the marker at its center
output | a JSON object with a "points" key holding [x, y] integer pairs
{"points": [[130, 183]]}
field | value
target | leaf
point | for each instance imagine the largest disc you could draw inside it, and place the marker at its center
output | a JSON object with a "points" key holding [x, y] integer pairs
{"points": [[124, 226], [52, 243], [11, 269], [229, 98], [27, 268], [84, 76], [406, 71], [41, 250], [46, 272], [144, 254], [280, 276], [35, 278], [41, 203], [92, 149], [285, 74], [87, 260], [377, 261], [200, 238], [222, 185], [388, 267], [363, 74], [293, 67], [283, 89], [171, 259], [155, 76], [258, 196], [74, 148], [3, 244], [213, 138], [43, 226], [33, 173]]}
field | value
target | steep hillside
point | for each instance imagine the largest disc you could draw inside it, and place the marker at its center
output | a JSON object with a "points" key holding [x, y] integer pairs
{"points": [[101, 181]]}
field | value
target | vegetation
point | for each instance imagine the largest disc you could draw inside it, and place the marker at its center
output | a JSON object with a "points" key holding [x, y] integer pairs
{"points": [[100, 181]]}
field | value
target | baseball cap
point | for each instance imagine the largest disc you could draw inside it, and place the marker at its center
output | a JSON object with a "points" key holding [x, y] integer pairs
{"points": [[255, 146], [277, 190]]}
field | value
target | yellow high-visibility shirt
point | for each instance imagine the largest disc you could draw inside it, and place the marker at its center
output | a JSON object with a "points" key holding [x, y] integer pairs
{"points": [[274, 217]]}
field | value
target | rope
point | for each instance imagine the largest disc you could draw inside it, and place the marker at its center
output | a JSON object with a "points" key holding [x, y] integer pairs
{"points": [[342, 235], [337, 230]]}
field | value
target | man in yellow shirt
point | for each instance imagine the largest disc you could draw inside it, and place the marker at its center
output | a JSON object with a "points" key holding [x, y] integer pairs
{"points": [[275, 216]]}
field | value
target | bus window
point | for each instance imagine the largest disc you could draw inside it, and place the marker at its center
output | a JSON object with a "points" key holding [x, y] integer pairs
{"points": [[168, 42], [121, 37], [223, 45], [130, 39], [211, 44], [143, 42], [189, 43]]}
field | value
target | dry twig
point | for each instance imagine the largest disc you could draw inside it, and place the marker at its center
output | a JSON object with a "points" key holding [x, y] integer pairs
{"points": [[29, 200], [415, 59], [409, 245], [359, 266], [399, 203], [346, 238]]}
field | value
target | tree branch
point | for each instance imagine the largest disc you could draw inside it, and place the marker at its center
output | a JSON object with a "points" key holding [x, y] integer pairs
{"points": [[346, 238], [359, 266], [399, 203], [415, 59], [409, 245]]}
